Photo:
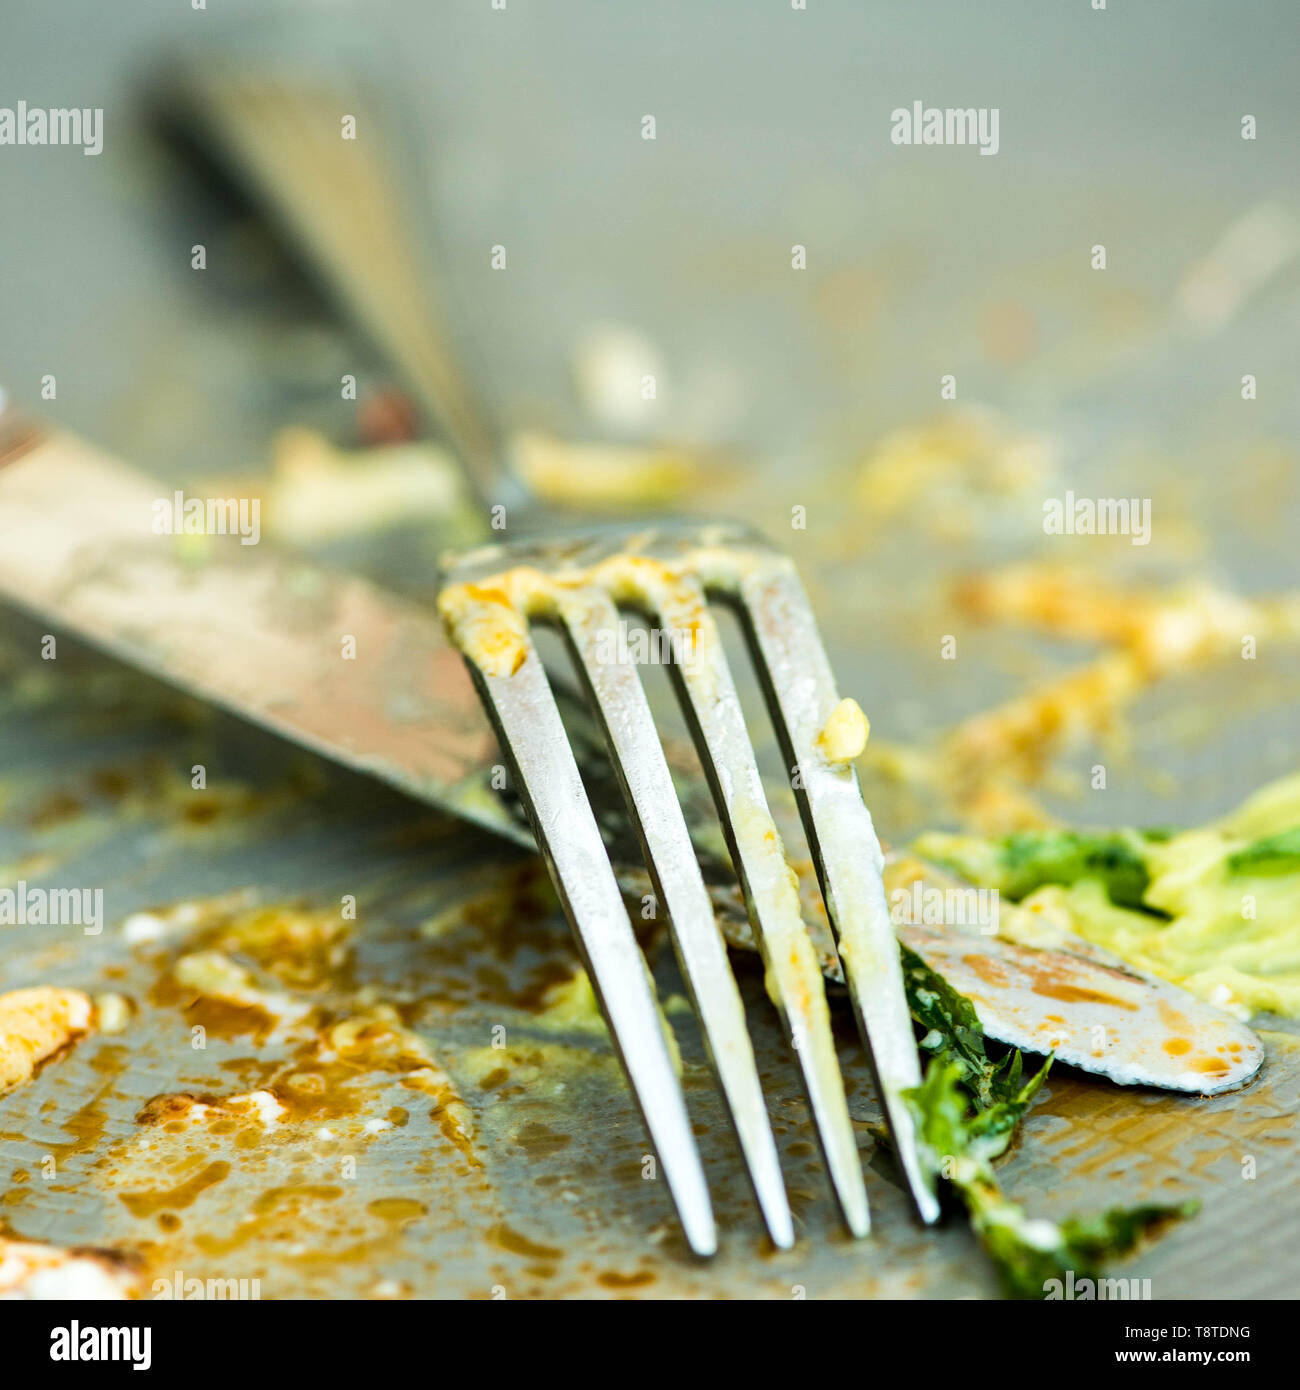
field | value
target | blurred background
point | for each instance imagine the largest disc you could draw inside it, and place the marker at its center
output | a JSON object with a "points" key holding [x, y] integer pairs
{"points": [[625, 257]]}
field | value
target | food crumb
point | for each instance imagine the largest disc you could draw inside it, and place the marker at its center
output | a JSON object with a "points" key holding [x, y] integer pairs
{"points": [[112, 1013], [35, 1024], [844, 735]]}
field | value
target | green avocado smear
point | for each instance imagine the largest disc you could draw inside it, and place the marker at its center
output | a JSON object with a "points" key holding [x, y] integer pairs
{"points": [[1214, 909]]}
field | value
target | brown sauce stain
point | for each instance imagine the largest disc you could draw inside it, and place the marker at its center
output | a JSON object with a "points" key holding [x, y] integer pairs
{"points": [[110, 1060], [150, 1203], [506, 1238], [612, 1279], [992, 972], [309, 1087], [402, 1210], [216, 1017], [505, 946], [537, 1140], [171, 1110], [276, 1198], [252, 1072], [110, 783], [56, 809], [1050, 985], [1173, 1020], [87, 1124], [326, 1254], [313, 1090]]}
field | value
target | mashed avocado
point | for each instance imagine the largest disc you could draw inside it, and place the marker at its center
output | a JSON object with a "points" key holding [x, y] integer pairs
{"points": [[1216, 910]]}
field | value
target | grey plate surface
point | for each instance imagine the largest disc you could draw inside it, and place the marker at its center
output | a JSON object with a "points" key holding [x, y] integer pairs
{"points": [[1124, 129]]}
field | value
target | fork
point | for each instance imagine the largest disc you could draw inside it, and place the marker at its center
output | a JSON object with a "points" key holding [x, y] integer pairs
{"points": [[262, 129], [489, 599]]}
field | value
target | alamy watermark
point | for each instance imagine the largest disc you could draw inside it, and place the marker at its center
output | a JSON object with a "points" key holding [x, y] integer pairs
{"points": [[178, 1288], [21, 906], [1098, 516], [645, 646], [1096, 1290], [75, 1342], [53, 125], [179, 515], [919, 124], [927, 905]]}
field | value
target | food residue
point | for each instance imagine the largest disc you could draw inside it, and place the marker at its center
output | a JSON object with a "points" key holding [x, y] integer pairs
{"points": [[37, 1024], [844, 735], [31, 1270], [1215, 909]]}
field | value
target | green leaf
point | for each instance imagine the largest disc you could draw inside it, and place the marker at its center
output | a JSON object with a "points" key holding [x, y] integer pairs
{"points": [[1119, 1230], [952, 1027], [1030, 1254], [993, 1129], [941, 1109]]}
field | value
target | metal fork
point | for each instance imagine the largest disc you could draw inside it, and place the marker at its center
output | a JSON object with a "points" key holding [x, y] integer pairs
{"points": [[489, 597], [262, 126]]}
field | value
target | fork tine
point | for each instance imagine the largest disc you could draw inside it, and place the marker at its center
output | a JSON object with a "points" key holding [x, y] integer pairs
{"points": [[793, 973], [592, 623], [796, 675], [523, 709]]}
